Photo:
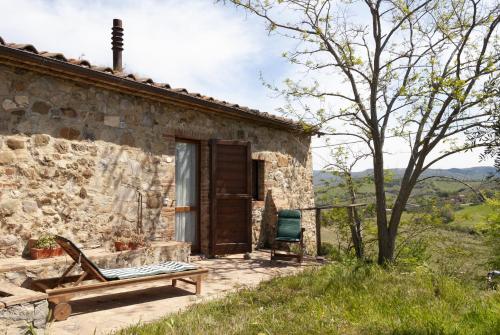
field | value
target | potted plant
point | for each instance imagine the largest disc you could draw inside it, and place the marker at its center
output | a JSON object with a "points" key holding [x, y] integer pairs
{"points": [[121, 237], [137, 240], [45, 247], [121, 243]]}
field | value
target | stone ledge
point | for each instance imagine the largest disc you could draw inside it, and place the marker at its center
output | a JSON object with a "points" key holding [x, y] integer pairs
{"points": [[20, 264], [18, 295], [22, 271]]}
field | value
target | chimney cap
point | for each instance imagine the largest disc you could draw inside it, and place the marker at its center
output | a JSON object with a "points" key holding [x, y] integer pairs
{"points": [[117, 44]]}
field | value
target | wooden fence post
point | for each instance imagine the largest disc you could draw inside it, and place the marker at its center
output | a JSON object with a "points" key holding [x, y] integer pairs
{"points": [[318, 219], [318, 231]]}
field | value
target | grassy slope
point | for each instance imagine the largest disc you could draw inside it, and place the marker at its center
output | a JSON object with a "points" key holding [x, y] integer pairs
{"points": [[343, 299], [471, 216], [456, 249], [460, 255]]}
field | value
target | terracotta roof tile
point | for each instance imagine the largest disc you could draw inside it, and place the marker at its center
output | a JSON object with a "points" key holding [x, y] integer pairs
{"points": [[81, 62], [180, 90], [53, 55], [163, 85], [25, 47], [148, 81], [103, 69]]}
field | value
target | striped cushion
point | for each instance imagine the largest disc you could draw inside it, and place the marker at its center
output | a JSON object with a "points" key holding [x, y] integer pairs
{"points": [[146, 270]]}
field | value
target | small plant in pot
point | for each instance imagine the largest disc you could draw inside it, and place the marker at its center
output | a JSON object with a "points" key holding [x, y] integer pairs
{"points": [[121, 237], [137, 240], [121, 243], [45, 247]]}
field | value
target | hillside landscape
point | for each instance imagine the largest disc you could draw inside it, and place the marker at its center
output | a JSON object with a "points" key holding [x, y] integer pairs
{"points": [[466, 174]]}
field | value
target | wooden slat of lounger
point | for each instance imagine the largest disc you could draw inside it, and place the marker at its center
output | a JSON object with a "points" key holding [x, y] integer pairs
{"points": [[79, 257], [50, 283], [117, 283]]}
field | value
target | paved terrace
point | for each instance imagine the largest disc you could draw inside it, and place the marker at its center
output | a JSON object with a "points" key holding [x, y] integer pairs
{"points": [[101, 314]]}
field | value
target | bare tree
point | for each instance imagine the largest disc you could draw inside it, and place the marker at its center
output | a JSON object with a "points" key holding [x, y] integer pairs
{"points": [[344, 160], [426, 71]]}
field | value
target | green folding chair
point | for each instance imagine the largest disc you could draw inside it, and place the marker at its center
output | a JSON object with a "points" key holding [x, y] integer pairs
{"points": [[288, 230]]}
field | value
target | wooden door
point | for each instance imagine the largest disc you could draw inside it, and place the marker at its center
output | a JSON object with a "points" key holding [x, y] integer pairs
{"points": [[231, 197]]}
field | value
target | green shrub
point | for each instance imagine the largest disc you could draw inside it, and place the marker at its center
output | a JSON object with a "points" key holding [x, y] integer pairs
{"points": [[413, 253], [326, 249], [46, 241], [333, 253], [466, 216], [447, 213]]}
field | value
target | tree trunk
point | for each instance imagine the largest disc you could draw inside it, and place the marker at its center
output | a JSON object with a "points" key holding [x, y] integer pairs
{"points": [[412, 172], [354, 219], [385, 243], [355, 225], [397, 212]]}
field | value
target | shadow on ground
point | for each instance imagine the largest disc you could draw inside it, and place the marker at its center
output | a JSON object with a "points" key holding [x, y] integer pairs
{"points": [[116, 300]]}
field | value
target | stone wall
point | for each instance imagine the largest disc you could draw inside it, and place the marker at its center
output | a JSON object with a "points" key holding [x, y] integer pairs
{"points": [[22, 318], [22, 311], [73, 158]]}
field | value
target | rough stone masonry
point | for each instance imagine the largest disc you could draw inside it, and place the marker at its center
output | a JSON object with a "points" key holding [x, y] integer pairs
{"points": [[73, 156]]}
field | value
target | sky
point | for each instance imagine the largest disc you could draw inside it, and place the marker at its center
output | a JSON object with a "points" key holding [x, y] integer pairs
{"points": [[200, 45]]}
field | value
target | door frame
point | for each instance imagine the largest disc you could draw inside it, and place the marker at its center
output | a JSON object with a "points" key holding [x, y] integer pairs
{"points": [[194, 248], [213, 195]]}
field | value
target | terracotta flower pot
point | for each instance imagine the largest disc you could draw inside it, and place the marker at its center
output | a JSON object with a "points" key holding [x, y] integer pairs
{"points": [[121, 246], [37, 253], [55, 252], [134, 245]]}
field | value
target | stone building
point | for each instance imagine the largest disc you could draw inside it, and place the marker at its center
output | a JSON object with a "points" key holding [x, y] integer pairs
{"points": [[88, 151]]}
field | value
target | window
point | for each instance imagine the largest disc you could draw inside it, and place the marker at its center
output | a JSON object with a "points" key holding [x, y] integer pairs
{"points": [[257, 179], [186, 192]]}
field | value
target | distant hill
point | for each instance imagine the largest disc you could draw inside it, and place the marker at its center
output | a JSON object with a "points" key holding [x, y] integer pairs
{"points": [[473, 173]]}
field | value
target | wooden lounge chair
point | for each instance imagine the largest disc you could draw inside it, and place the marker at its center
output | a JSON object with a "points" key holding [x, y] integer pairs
{"points": [[62, 289], [289, 230]]}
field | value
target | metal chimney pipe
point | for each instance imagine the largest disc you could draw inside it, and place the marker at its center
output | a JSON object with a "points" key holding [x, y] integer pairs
{"points": [[117, 44]]}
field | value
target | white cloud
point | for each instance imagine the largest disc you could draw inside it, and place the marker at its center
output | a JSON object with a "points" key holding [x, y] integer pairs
{"points": [[203, 47], [207, 48]]}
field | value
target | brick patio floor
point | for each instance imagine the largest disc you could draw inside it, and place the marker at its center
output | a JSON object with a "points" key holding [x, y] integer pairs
{"points": [[147, 302]]}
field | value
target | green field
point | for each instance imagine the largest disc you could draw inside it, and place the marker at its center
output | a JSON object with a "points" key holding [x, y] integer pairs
{"points": [[456, 248], [471, 216], [457, 253]]}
